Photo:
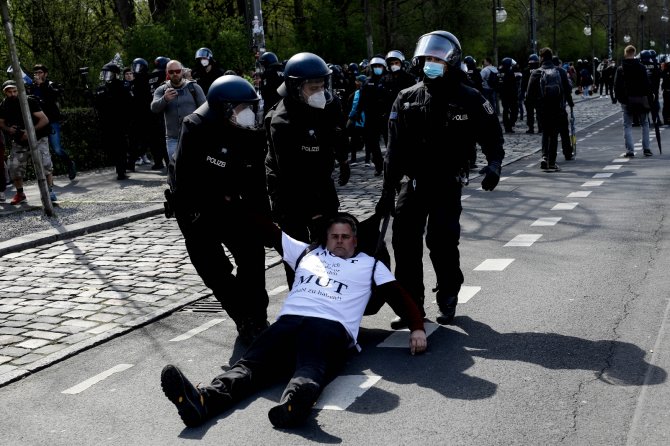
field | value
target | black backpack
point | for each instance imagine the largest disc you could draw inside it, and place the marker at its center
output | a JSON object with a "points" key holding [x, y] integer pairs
{"points": [[551, 89]]}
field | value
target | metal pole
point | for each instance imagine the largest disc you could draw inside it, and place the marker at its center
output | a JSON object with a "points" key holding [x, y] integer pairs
{"points": [[257, 26], [641, 32], [609, 29], [25, 112]]}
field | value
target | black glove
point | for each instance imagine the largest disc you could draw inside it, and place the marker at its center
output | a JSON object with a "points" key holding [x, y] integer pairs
{"points": [[492, 172], [345, 173], [386, 204]]}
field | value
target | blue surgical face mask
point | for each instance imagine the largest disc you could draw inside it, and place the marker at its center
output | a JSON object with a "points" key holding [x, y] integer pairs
{"points": [[378, 70], [433, 69]]}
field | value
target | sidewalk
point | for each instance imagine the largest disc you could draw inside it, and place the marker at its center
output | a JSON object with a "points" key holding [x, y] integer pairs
{"points": [[87, 280]]}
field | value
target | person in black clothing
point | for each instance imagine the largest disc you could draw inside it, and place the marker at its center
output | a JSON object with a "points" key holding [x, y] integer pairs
{"points": [[396, 79], [531, 109], [508, 93], [648, 59], [564, 123], [156, 127], [374, 103], [549, 90], [49, 93], [665, 86], [207, 70], [306, 133], [217, 190], [112, 102], [271, 78], [431, 126], [142, 118], [474, 78]]}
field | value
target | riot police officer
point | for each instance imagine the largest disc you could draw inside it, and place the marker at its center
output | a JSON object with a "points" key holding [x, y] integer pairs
{"points": [[217, 192], [396, 79], [473, 73], [509, 93], [374, 103], [430, 127], [305, 132], [156, 128], [531, 107], [206, 70], [647, 57], [112, 102], [271, 79]]}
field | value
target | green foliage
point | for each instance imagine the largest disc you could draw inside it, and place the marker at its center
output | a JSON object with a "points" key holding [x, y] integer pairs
{"points": [[80, 137]]}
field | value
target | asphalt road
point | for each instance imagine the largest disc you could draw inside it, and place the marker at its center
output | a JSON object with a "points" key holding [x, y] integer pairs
{"points": [[561, 336]]}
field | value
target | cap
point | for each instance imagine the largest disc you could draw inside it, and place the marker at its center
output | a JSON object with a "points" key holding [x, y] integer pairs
{"points": [[8, 84]]}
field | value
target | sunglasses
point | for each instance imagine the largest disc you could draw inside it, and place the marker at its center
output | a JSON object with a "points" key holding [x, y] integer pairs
{"points": [[174, 71]]}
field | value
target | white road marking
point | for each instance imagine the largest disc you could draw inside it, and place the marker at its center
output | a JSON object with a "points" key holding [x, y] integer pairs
{"points": [[96, 379], [564, 206], [546, 221], [580, 139], [464, 197], [637, 145], [400, 338], [612, 167], [524, 240], [343, 390], [467, 293], [532, 165], [494, 265], [621, 160], [189, 334], [602, 175], [516, 172], [277, 290], [593, 184], [579, 194]]}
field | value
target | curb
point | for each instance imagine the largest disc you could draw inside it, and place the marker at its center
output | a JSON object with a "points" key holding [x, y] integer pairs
{"points": [[77, 229]]}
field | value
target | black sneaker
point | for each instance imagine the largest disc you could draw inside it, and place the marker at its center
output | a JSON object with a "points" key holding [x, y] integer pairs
{"points": [[249, 329], [647, 152], [543, 164], [569, 157], [179, 390], [446, 316], [399, 323], [292, 411], [554, 167], [72, 171], [629, 155]]}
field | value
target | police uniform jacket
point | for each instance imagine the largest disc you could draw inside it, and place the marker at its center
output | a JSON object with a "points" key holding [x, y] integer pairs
{"points": [[432, 125], [394, 83], [217, 168], [303, 143]]}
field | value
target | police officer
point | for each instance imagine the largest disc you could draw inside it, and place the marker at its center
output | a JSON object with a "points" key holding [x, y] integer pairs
{"points": [[647, 57], [305, 132], [374, 103], [140, 135], [112, 102], [474, 78], [531, 107], [217, 191], [430, 127], [508, 93], [397, 78], [156, 128], [206, 70], [271, 78]]}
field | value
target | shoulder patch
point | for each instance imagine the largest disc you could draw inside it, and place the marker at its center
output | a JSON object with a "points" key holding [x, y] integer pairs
{"points": [[488, 107], [393, 115]]}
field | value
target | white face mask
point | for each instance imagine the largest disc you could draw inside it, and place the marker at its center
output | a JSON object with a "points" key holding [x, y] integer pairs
{"points": [[204, 62], [395, 67], [317, 100], [246, 118]]}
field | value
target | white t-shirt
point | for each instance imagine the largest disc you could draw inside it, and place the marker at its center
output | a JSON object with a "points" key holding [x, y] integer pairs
{"points": [[331, 287]]}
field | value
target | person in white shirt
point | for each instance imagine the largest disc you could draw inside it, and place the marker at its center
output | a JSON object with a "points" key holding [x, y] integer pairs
{"points": [[309, 341]]}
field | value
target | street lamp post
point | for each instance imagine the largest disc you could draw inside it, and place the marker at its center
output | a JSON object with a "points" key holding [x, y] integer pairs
{"points": [[665, 19], [499, 16], [533, 28], [642, 8], [588, 32]]}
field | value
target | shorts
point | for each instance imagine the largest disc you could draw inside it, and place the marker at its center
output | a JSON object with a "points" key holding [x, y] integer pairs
{"points": [[18, 158]]}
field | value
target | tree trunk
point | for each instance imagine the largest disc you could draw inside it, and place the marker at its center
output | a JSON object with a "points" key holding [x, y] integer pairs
{"points": [[368, 28], [125, 9], [158, 9]]}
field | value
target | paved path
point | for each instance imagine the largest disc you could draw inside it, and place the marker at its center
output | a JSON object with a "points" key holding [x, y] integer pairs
{"points": [[71, 293]]}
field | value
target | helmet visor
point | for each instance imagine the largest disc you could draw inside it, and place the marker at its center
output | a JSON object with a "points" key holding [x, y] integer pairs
{"points": [[137, 67], [439, 47], [107, 75], [203, 52]]}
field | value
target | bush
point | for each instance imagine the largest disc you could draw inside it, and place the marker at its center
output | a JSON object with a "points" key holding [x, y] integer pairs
{"points": [[81, 139]]}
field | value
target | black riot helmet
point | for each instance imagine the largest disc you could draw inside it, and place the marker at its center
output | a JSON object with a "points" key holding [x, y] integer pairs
{"points": [[439, 44], [645, 56], [507, 62], [110, 71], [470, 62], [533, 58], [305, 68], [353, 68], [139, 65], [204, 53], [268, 58], [161, 62], [234, 99]]}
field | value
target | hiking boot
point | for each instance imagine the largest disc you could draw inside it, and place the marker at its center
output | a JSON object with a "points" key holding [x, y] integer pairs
{"points": [[18, 198], [52, 196], [179, 390], [72, 171], [629, 155], [543, 164], [292, 411], [249, 329], [647, 152]]}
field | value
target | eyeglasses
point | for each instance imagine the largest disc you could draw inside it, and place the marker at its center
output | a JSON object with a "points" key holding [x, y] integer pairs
{"points": [[174, 71], [38, 72]]}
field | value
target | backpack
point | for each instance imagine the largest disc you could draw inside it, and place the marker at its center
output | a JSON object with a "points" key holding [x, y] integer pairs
{"points": [[492, 80], [550, 85]]}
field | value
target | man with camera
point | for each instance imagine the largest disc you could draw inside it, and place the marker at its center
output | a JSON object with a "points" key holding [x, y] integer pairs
{"points": [[11, 122]]}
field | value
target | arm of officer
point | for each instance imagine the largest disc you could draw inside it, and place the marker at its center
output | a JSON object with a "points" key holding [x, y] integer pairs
{"points": [[401, 302], [393, 169], [491, 139]]}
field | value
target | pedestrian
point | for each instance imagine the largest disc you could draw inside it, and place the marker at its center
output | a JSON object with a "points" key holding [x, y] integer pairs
{"points": [[665, 87], [271, 79], [563, 123], [428, 143], [176, 98], [633, 90], [112, 102], [549, 91], [508, 92], [374, 103], [12, 123], [156, 129], [586, 80], [356, 123], [49, 93], [306, 134], [141, 138], [308, 343], [489, 75], [4, 180], [206, 70], [531, 109], [610, 71], [217, 189], [648, 59]]}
